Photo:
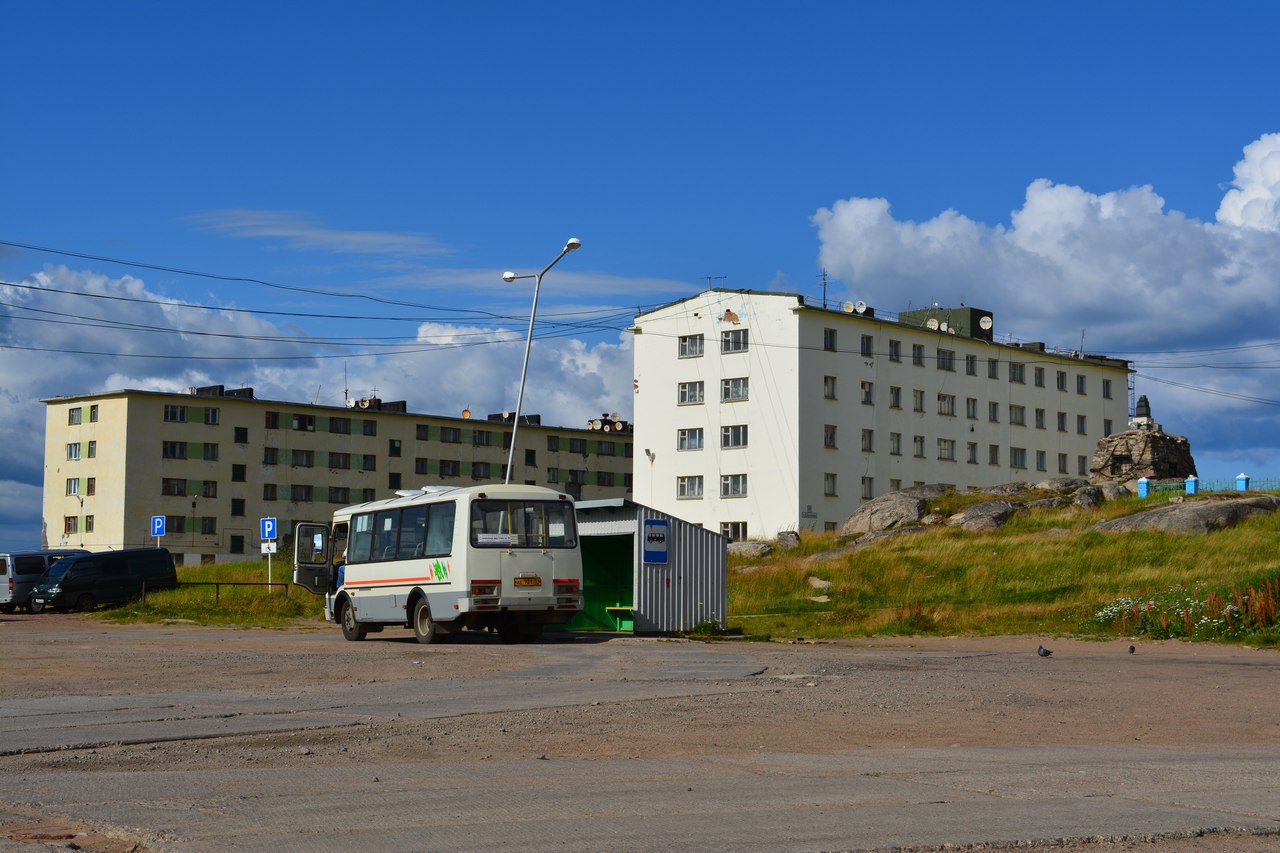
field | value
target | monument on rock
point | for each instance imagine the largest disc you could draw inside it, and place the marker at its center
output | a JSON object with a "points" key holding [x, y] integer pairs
{"points": [[1143, 450]]}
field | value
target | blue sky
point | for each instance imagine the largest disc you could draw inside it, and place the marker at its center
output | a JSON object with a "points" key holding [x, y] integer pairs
{"points": [[1097, 168]]}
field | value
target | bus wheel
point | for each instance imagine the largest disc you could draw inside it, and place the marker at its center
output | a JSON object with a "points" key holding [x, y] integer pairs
{"points": [[424, 627], [351, 629]]}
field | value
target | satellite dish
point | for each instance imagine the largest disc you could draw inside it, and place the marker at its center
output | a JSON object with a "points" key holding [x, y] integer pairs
{"points": [[848, 307], [931, 324], [595, 424], [985, 324], [942, 327], [589, 426], [951, 331], [364, 402], [606, 427], [505, 414], [351, 404], [860, 307], [466, 413], [613, 417]]}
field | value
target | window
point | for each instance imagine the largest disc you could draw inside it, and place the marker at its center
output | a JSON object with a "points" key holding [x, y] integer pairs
{"points": [[210, 452], [73, 416], [73, 486], [369, 427], [734, 340], [1018, 372], [895, 397], [895, 485], [993, 454], [420, 465], [1062, 380], [689, 439], [237, 507], [734, 531], [241, 435], [70, 524], [993, 412], [1082, 466], [1106, 426], [691, 346], [947, 360], [270, 455], [481, 438], [422, 432], [393, 478], [88, 524], [173, 487], [829, 387], [1017, 457], [606, 448], [577, 445], [300, 494], [302, 458], [340, 426], [733, 485], [917, 400], [450, 468], [689, 393], [272, 420], [393, 447], [895, 350], [829, 485], [368, 462], [173, 450], [210, 489], [93, 417], [1082, 425], [91, 486], [895, 444], [451, 435], [866, 344], [268, 491], [733, 390], [1106, 390], [553, 475], [175, 414], [971, 365], [734, 435], [1080, 383], [947, 405], [91, 450], [237, 544], [1041, 461], [868, 441], [604, 478], [829, 436], [1039, 377], [868, 488], [917, 355], [211, 416], [209, 525], [868, 393], [917, 443], [339, 461], [367, 495], [1062, 421], [688, 488], [993, 368], [1039, 418], [947, 450], [304, 423], [175, 524], [971, 408], [1018, 415], [1062, 463], [339, 495], [973, 452], [829, 340]]}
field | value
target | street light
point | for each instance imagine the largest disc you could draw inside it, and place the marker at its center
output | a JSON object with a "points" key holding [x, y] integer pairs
{"points": [[572, 246]]}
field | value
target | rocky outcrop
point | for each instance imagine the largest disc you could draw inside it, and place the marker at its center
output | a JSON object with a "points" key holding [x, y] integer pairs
{"points": [[752, 549], [990, 515], [1193, 516], [892, 510], [1127, 456]]}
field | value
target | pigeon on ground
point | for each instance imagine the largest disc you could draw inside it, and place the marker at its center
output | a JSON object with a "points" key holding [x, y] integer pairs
{"points": [[1131, 648], [1043, 652]]}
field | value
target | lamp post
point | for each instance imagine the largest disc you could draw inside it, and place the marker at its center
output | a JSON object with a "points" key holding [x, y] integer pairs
{"points": [[573, 245]]}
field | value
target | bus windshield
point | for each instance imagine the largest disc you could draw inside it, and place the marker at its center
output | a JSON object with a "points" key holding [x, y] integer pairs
{"points": [[523, 524]]}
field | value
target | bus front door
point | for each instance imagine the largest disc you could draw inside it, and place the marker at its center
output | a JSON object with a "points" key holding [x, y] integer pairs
{"points": [[311, 565]]}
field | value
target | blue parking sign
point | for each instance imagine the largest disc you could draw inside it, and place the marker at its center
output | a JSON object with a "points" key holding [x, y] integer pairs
{"points": [[268, 529], [157, 525]]}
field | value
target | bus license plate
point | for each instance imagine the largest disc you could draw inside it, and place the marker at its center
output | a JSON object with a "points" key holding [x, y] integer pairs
{"points": [[529, 581]]}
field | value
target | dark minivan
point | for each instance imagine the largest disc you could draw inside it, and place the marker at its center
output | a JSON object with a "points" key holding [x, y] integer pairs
{"points": [[84, 581]]}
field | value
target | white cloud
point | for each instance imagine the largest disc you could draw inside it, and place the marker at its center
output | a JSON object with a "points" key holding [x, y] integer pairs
{"points": [[297, 231], [1118, 266]]}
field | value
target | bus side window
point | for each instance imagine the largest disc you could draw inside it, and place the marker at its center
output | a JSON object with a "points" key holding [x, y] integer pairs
{"points": [[440, 530], [361, 540]]}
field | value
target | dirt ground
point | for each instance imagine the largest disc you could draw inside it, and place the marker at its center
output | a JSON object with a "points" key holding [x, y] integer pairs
{"points": [[830, 695]]}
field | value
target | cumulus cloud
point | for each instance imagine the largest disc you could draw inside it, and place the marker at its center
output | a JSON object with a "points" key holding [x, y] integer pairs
{"points": [[1138, 280]]}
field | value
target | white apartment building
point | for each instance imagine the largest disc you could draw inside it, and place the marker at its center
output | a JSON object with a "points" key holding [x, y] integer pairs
{"points": [[214, 462], [758, 413]]}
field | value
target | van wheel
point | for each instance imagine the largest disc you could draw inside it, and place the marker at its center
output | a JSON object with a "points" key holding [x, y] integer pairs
{"points": [[86, 603], [424, 627], [34, 607], [351, 629]]}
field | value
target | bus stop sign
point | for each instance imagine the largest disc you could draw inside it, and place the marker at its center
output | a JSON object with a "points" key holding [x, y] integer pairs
{"points": [[655, 539]]}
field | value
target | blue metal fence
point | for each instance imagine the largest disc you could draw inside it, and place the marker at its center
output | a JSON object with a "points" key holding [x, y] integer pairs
{"points": [[1192, 485]]}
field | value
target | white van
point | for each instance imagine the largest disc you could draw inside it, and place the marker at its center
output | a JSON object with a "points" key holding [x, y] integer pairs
{"points": [[20, 571]]}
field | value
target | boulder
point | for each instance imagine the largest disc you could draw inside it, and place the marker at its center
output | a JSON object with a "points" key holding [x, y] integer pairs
{"points": [[884, 513], [788, 539], [1087, 497], [1062, 485], [754, 550], [1007, 489], [1192, 516], [991, 515], [1055, 502], [1114, 491]]}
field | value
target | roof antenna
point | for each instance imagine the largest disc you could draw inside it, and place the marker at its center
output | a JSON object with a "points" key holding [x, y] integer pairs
{"points": [[824, 286], [710, 278], [316, 401]]}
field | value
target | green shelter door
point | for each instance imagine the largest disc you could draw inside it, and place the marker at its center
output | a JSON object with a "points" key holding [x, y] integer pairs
{"points": [[607, 583]]}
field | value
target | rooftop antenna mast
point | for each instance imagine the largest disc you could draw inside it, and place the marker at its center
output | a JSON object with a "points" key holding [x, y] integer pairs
{"points": [[824, 286], [711, 278]]}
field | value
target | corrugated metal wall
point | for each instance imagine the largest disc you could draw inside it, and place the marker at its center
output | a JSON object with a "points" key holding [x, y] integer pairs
{"points": [[692, 587]]}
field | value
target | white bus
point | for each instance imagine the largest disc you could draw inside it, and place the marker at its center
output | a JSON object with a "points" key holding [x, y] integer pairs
{"points": [[440, 560]]}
